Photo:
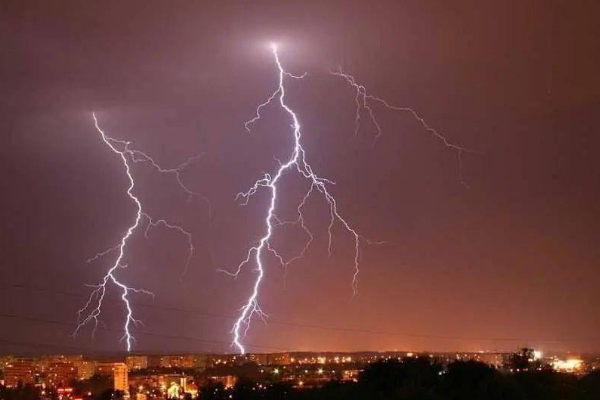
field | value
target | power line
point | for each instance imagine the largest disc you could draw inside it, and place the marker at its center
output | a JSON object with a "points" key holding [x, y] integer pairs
{"points": [[46, 346], [155, 334], [332, 328], [37, 345], [151, 306]]}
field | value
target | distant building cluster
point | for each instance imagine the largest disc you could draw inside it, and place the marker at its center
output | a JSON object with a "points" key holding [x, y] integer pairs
{"points": [[182, 376]]}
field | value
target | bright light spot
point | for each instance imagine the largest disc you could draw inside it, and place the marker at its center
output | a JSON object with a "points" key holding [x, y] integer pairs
{"points": [[570, 365]]}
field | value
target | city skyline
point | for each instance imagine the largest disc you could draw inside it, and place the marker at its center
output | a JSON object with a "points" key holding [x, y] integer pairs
{"points": [[279, 375]]}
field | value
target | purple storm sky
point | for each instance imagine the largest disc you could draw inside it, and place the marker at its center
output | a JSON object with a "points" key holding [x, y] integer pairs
{"points": [[512, 260]]}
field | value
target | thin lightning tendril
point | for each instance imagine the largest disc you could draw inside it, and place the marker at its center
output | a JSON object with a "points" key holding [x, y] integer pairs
{"points": [[92, 309], [297, 161], [362, 100]]}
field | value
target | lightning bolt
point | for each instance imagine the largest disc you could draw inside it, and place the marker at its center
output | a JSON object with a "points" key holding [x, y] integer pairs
{"points": [[297, 162], [92, 309], [364, 102]]}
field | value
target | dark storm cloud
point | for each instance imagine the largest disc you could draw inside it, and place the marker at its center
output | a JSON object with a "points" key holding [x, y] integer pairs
{"points": [[512, 256]]}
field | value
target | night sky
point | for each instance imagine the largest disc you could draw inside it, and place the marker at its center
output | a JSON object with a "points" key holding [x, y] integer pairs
{"points": [[510, 260]]}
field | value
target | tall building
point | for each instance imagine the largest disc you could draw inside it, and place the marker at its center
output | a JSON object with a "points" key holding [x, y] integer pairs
{"points": [[105, 368], [154, 361], [118, 371], [202, 362], [85, 369], [19, 370], [121, 377], [188, 361], [60, 373], [136, 362]]}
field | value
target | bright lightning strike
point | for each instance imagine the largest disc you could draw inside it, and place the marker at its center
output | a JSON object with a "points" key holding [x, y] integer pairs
{"points": [[363, 102], [297, 162], [93, 306]]}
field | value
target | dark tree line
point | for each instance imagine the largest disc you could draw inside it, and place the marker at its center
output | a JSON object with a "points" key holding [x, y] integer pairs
{"points": [[96, 388], [420, 379], [21, 392]]}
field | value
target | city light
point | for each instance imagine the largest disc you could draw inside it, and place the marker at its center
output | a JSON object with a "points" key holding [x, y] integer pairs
{"points": [[569, 365]]}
